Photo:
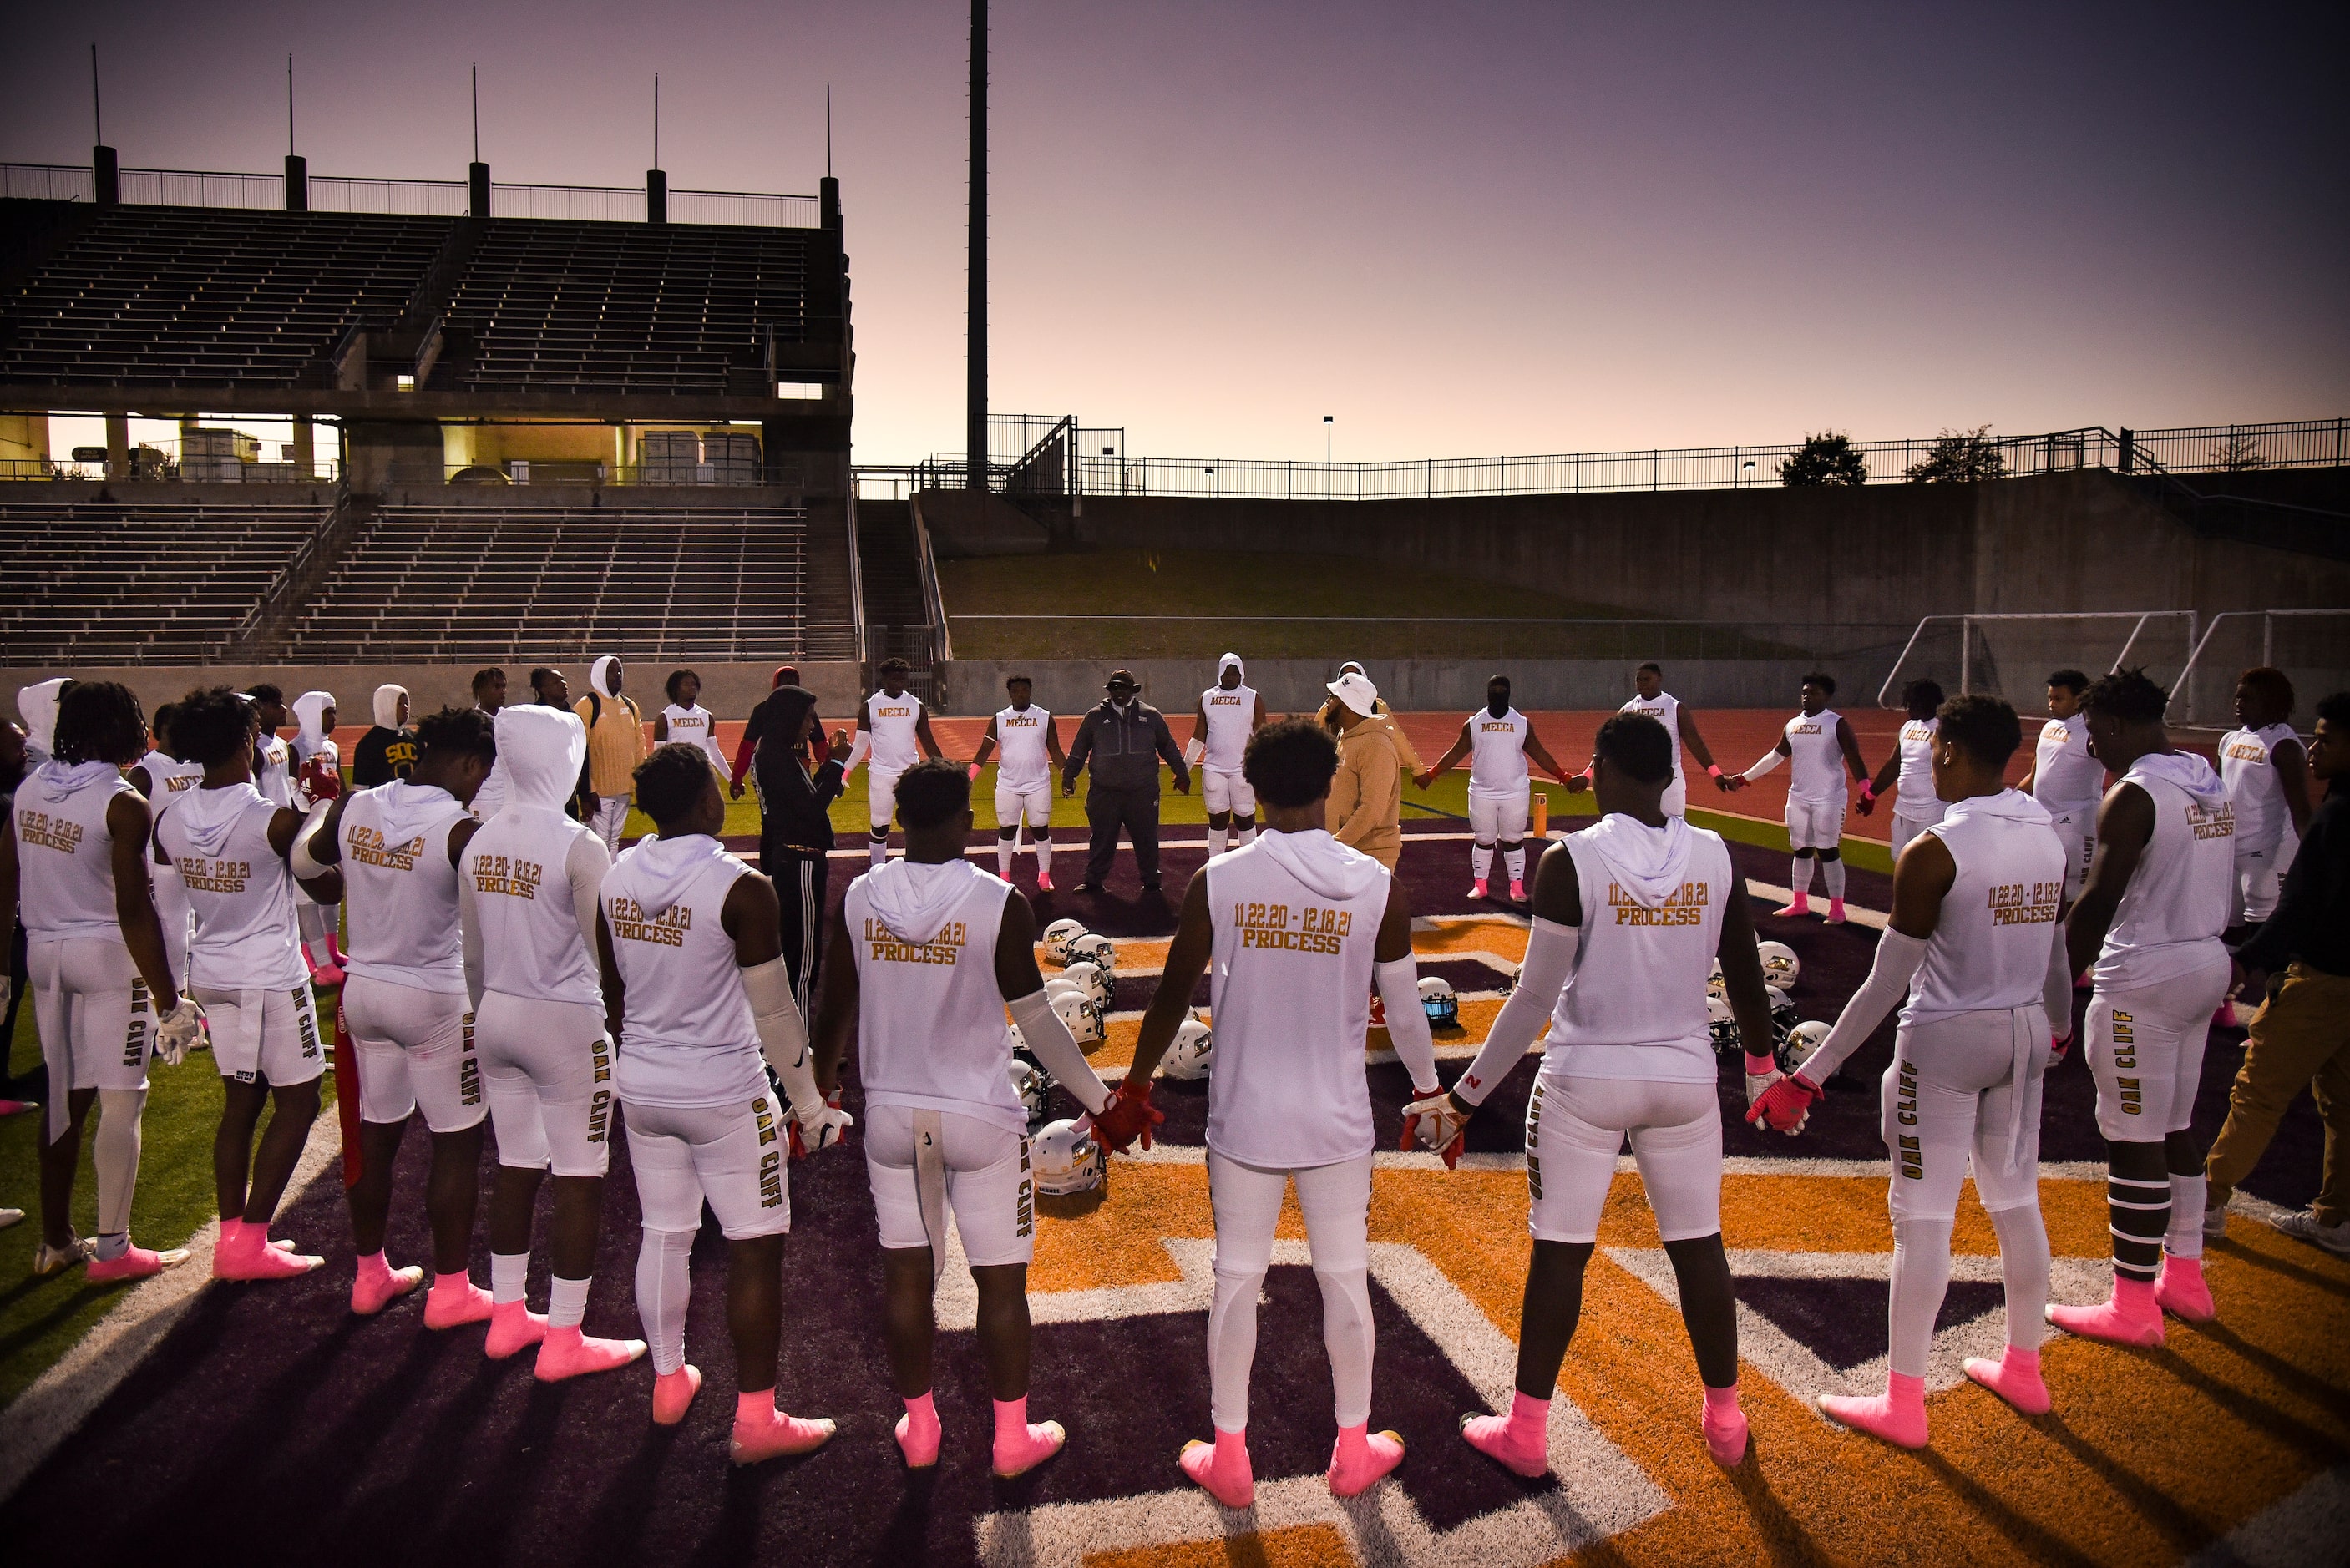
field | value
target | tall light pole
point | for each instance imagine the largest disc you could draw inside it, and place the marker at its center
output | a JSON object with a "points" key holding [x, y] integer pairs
{"points": [[975, 394], [1329, 423]]}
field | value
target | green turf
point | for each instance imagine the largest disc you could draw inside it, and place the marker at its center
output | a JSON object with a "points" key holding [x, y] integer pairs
{"points": [[41, 1319]]}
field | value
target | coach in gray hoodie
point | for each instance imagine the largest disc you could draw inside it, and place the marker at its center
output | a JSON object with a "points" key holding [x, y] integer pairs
{"points": [[1123, 739]]}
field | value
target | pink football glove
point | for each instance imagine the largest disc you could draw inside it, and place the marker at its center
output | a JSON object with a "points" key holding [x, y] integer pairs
{"points": [[1782, 1107], [1126, 1117]]}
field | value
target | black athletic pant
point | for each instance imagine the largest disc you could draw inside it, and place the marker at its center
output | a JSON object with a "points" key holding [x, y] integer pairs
{"points": [[799, 876], [34, 1084], [1137, 811]]}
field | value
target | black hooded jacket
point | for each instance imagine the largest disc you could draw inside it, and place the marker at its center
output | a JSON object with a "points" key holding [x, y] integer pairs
{"points": [[792, 800]]}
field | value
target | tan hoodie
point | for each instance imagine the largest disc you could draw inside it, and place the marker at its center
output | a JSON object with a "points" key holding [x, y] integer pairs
{"points": [[1365, 806]]}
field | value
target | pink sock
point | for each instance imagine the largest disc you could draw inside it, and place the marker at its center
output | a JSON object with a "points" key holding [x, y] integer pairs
{"points": [[917, 1432], [754, 1408], [1898, 1415], [374, 1270], [1520, 1440], [2015, 1378], [1222, 1468], [2131, 1317], [1360, 1456], [1725, 1425], [1020, 1447], [232, 1232], [2182, 1289]]}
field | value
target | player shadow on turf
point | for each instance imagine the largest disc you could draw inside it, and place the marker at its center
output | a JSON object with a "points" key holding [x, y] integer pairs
{"points": [[2300, 1272], [1782, 1534], [620, 1522], [2030, 1538], [31, 1332], [2148, 1497]]}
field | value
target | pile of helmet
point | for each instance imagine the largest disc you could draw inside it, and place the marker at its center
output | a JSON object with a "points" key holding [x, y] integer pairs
{"points": [[1780, 968], [1082, 991]]}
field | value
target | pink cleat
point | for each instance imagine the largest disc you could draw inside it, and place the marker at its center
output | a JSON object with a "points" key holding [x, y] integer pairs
{"points": [[378, 1285], [250, 1257], [1360, 1456], [137, 1263], [1801, 904], [1222, 1467], [1835, 911], [1477, 888], [1044, 881], [2015, 1378], [229, 1228], [764, 1432], [2226, 1017], [918, 1433], [2131, 1317], [2179, 1289], [455, 1301], [1517, 892], [672, 1393], [567, 1352], [513, 1328], [1021, 1446], [17, 1107], [1898, 1415], [1520, 1440], [1725, 1425]]}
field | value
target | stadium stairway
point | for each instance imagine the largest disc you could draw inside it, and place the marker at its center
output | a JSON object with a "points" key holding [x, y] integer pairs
{"points": [[890, 564]]}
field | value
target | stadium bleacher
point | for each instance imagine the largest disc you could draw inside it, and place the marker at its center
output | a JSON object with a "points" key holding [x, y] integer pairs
{"points": [[561, 307], [426, 583], [117, 583], [211, 297]]}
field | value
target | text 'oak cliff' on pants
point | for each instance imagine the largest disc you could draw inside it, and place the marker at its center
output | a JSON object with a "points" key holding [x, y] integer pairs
{"points": [[1135, 810]]}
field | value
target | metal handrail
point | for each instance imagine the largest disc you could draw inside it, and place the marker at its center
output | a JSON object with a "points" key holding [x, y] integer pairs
{"points": [[2267, 616], [1966, 634]]}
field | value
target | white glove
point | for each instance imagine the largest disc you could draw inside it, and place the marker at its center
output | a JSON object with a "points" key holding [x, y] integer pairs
{"points": [[1757, 1082], [819, 1125], [179, 1030], [1438, 1123]]}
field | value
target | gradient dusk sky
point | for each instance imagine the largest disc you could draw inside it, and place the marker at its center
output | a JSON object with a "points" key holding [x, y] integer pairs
{"points": [[1461, 229]]}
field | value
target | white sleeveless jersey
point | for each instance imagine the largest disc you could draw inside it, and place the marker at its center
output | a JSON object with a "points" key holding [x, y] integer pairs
{"points": [[274, 777], [531, 943], [65, 855], [696, 726], [167, 776], [1666, 710], [1497, 752], [1290, 998], [2065, 776], [2176, 906], [1019, 734], [1990, 948], [930, 1030], [1230, 716], [687, 1039], [890, 721], [2247, 767], [1915, 788], [1814, 756], [1635, 1007], [399, 887], [240, 889]]}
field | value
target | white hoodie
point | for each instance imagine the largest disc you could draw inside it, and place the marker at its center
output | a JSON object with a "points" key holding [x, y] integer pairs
{"points": [[63, 851], [2171, 914], [309, 734], [525, 934], [687, 1038], [929, 1025], [240, 887], [38, 704], [1653, 900]]}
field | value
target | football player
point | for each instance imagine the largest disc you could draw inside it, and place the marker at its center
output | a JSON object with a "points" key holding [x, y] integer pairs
{"points": [[1629, 915], [2267, 773], [2149, 921], [1024, 780], [1973, 943], [159, 775], [234, 850], [1651, 698], [104, 993], [937, 950], [893, 733], [2067, 777], [1230, 712], [690, 942], [1916, 807], [1497, 742], [317, 776], [1819, 747], [1299, 926]]}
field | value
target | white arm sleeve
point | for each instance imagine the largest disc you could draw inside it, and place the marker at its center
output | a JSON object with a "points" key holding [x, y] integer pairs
{"points": [[1550, 964], [1897, 957], [298, 858], [783, 1037], [1415, 1047], [584, 868], [1771, 759], [469, 922], [858, 750], [2057, 990], [1058, 1049]]}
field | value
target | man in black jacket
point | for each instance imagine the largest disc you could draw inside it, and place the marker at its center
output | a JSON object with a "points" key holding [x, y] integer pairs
{"points": [[795, 828], [1124, 739]]}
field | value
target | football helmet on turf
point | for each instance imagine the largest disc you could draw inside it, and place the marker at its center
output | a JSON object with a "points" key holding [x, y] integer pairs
{"points": [[1780, 965], [1784, 1016], [1074, 1009], [1034, 1085], [1714, 984], [1094, 948], [1090, 978], [1192, 1053], [1059, 935], [1720, 1024], [1438, 1001], [1801, 1042], [1064, 1160]]}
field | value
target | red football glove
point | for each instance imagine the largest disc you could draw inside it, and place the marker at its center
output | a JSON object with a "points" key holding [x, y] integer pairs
{"points": [[1782, 1107], [1126, 1117], [1868, 801], [799, 1147]]}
